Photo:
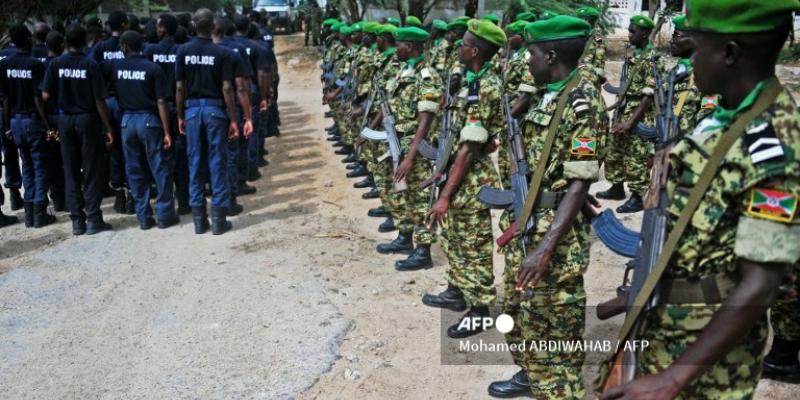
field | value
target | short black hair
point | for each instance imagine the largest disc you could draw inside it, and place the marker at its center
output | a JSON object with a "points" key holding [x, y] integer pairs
{"points": [[150, 32], [252, 32], [55, 42], [242, 23], [133, 40], [203, 21], [569, 51], [41, 29], [75, 35], [20, 36], [184, 20], [133, 22], [116, 19], [223, 25], [169, 22], [181, 35], [94, 30]]}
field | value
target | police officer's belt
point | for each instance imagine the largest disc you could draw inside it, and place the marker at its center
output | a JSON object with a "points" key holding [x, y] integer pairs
{"points": [[712, 289], [549, 200]]}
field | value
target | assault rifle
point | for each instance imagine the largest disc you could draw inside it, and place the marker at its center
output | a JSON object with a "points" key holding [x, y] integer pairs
{"points": [[388, 135], [616, 90], [441, 154]]}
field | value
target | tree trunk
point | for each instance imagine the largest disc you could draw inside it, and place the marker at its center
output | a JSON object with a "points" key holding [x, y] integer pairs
{"points": [[471, 8]]}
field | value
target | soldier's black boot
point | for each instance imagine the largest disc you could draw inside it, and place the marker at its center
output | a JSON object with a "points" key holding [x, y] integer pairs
{"points": [[78, 226], [379, 212], [28, 214], [387, 226], [615, 192], [331, 128], [243, 189], [352, 166], [634, 204], [147, 223], [183, 207], [119, 201], [6, 220], [200, 220], [344, 150], [219, 224], [517, 386], [469, 325], [419, 259], [360, 171], [372, 194], [403, 244], [253, 175], [334, 138], [781, 364], [97, 225], [339, 143], [15, 200], [365, 183], [40, 216], [452, 299], [130, 206], [58, 201], [234, 209], [350, 158]]}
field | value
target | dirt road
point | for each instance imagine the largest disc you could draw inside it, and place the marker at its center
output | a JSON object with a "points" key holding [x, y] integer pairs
{"points": [[293, 303]]}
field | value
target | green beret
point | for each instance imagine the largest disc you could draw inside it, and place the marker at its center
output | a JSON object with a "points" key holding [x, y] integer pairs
{"points": [[330, 22], [488, 31], [517, 27], [357, 27], [386, 29], [526, 16], [392, 20], [370, 27], [346, 30], [739, 16], [460, 22], [643, 21], [547, 15], [413, 21], [680, 22], [440, 25], [337, 26], [589, 12], [556, 28], [411, 34], [492, 17]]}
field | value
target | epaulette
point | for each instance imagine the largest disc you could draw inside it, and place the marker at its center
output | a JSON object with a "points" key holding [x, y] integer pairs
{"points": [[579, 102], [761, 142]]}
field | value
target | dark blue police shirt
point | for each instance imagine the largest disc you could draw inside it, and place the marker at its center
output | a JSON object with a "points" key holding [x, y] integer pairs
{"points": [[7, 52], [242, 68], [203, 66], [164, 54], [20, 76], [39, 51], [107, 50], [76, 81], [139, 83], [52, 102]]}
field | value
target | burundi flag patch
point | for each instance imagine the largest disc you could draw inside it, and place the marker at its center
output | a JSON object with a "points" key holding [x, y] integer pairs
{"points": [[709, 103], [774, 205], [583, 146]]}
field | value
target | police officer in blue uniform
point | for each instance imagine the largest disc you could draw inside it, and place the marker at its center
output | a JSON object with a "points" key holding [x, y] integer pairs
{"points": [[103, 52], [77, 82], [20, 77], [40, 32], [13, 181], [163, 53], [142, 89], [55, 166], [204, 90], [243, 73]]}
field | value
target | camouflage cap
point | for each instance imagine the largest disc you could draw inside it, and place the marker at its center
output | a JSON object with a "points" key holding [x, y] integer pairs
{"points": [[557, 28], [739, 16], [488, 31], [411, 34], [413, 21], [642, 21]]}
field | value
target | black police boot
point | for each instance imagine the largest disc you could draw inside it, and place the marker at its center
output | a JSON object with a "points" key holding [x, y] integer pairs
{"points": [[78, 226], [28, 214], [365, 183], [219, 224], [462, 329], [6, 220], [243, 189], [615, 192], [351, 158], [96, 226], [452, 299], [331, 128], [402, 245], [358, 172], [328, 114], [634, 204], [334, 138], [517, 386], [147, 223], [130, 206], [339, 143], [167, 222], [419, 259], [379, 212], [119, 201], [15, 200], [253, 176], [234, 209], [184, 208], [344, 150], [262, 162], [372, 194], [387, 226], [200, 220], [40, 216], [781, 364], [352, 166]]}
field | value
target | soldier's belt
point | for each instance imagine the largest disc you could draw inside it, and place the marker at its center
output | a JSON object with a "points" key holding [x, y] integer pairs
{"points": [[711, 289]]}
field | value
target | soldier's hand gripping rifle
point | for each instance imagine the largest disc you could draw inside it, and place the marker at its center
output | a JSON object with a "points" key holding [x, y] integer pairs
{"points": [[366, 106], [388, 135], [514, 197], [653, 237], [441, 154]]}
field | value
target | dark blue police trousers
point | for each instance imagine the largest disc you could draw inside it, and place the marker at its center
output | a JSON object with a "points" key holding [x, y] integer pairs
{"points": [[29, 136], [207, 125], [83, 150]]}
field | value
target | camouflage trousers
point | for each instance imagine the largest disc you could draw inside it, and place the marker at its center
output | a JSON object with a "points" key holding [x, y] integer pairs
{"points": [[414, 201], [626, 161], [469, 252], [383, 176], [556, 312], [784, 314], [670, 329]]}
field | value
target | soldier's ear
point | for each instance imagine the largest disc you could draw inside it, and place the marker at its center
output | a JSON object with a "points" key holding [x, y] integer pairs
{"points": [[733, 51], [552, 57]]}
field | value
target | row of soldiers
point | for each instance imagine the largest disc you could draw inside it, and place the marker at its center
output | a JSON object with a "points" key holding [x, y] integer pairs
{"points": [[529, 94], [141, 121]]}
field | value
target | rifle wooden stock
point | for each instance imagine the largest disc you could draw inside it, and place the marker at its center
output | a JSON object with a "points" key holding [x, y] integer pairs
{"points": [[507, 236], [616, 374], [613, 307]]}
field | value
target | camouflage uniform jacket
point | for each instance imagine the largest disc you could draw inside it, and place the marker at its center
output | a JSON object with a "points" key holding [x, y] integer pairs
{"points": [[642, 84], [516, 73], [416, 88], [594, 56], [438, 56], [477, 114], [694, 107], [366, 71], [387, 68], [454, 65]]}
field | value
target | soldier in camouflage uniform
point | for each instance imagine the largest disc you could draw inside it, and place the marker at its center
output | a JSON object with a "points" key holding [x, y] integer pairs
{"points": [[558, 249], [340, 56], [416, 93], [357, 54], [707, 334], [594, 57], [516, 70], [628, 153], [439, 48], [689, 105], [453, 67], [781, 364], [477, 116]]}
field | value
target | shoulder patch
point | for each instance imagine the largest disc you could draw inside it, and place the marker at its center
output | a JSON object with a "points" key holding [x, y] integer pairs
{"points": [[579, 102], [709, 102], [762, 143], [774, 205], [583, 146]]}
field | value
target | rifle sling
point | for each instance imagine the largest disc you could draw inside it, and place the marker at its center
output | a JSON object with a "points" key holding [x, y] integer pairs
{"points": [[771, 92], [541, 164], [682, 98]]}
